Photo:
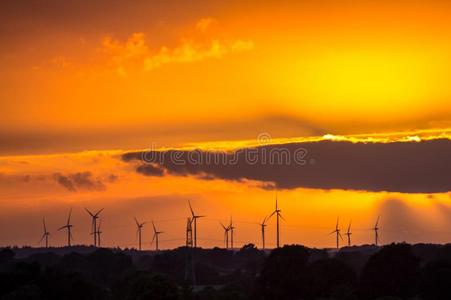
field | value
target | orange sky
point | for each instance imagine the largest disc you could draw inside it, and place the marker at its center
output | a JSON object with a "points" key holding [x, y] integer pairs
{"points": [[84, 82]]}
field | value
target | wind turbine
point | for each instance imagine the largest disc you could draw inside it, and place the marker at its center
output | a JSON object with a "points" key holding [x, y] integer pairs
{"points": [[45, 235], [226, 235], [138, 232], [376, 231], [349, 233], [68, 226], [338, 234], [194, 217], [263, 225], [231, 228], [94, 217], [155, 236], [99, 232], [277, 212]]}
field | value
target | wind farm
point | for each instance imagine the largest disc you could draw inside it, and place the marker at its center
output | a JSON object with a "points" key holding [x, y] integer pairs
{"points": [[191, 229], [225, 150]]}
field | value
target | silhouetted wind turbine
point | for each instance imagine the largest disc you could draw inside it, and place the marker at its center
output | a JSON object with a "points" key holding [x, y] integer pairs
{"points": [[226, 235], [94, 217], [338, 234], [45, 235], [263, 225], [349, 233], [99, 232], [155, 236], [68, 226], [138, 232], [376, 231], [277, 212], [231, 228], [195, 217]]}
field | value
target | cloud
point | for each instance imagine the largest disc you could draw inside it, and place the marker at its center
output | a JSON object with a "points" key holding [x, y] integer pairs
{"points": [[79, 181], [190, 51], [204, 23], [406, 167], [150, 170], [134, 52]]}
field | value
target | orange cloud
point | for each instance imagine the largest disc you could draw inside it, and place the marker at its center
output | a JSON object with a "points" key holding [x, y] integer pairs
{"points": [[203, 24], [135, 52], [190, 51]]}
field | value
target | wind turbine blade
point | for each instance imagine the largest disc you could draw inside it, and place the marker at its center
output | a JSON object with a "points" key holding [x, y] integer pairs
{"points": [[280, 215], [154, 235], [97, 213], [70, 214], [271, 215], [136, 221], [153, 225], [377, 221], [225, 228], [43, 223], [349, 226], [333, 232], [339, 234], [42, 238], [100, 223], [191, 209], [62, 227], [89, 212], [336, 226]]}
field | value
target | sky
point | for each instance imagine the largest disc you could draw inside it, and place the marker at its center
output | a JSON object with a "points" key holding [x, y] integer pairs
{"points": [[342, 110]]}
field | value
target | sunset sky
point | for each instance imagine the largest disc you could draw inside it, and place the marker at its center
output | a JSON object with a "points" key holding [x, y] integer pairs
{"points": [[364, 87]]}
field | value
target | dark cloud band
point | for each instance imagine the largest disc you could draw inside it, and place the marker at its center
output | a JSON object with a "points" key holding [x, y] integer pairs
{"points": [[407, 167]]}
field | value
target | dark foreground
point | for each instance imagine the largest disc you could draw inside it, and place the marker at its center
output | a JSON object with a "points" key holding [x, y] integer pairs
{"points": [[397, 271]]}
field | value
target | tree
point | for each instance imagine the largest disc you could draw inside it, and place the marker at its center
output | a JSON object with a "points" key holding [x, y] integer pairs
{"points": [[331, 278], [393, 271], [283, 274], [436, 281], [145, 285]]}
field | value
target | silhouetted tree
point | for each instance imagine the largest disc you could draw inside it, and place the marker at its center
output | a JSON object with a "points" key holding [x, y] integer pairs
{"points": [[393, 271], [331, 278], [6, 255], [436, 281], [283, 274], [144, 285]]}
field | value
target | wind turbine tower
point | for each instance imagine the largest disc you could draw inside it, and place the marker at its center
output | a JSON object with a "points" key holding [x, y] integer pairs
{"points": [[338, 234], [263, 225], [45, 236], [68, 227], [194, 217], [226, 235], [94, 217], [99, 232], [155, 236], [277, 212], [376, 231], [348, 234], [139, 227], [231, 228]]}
